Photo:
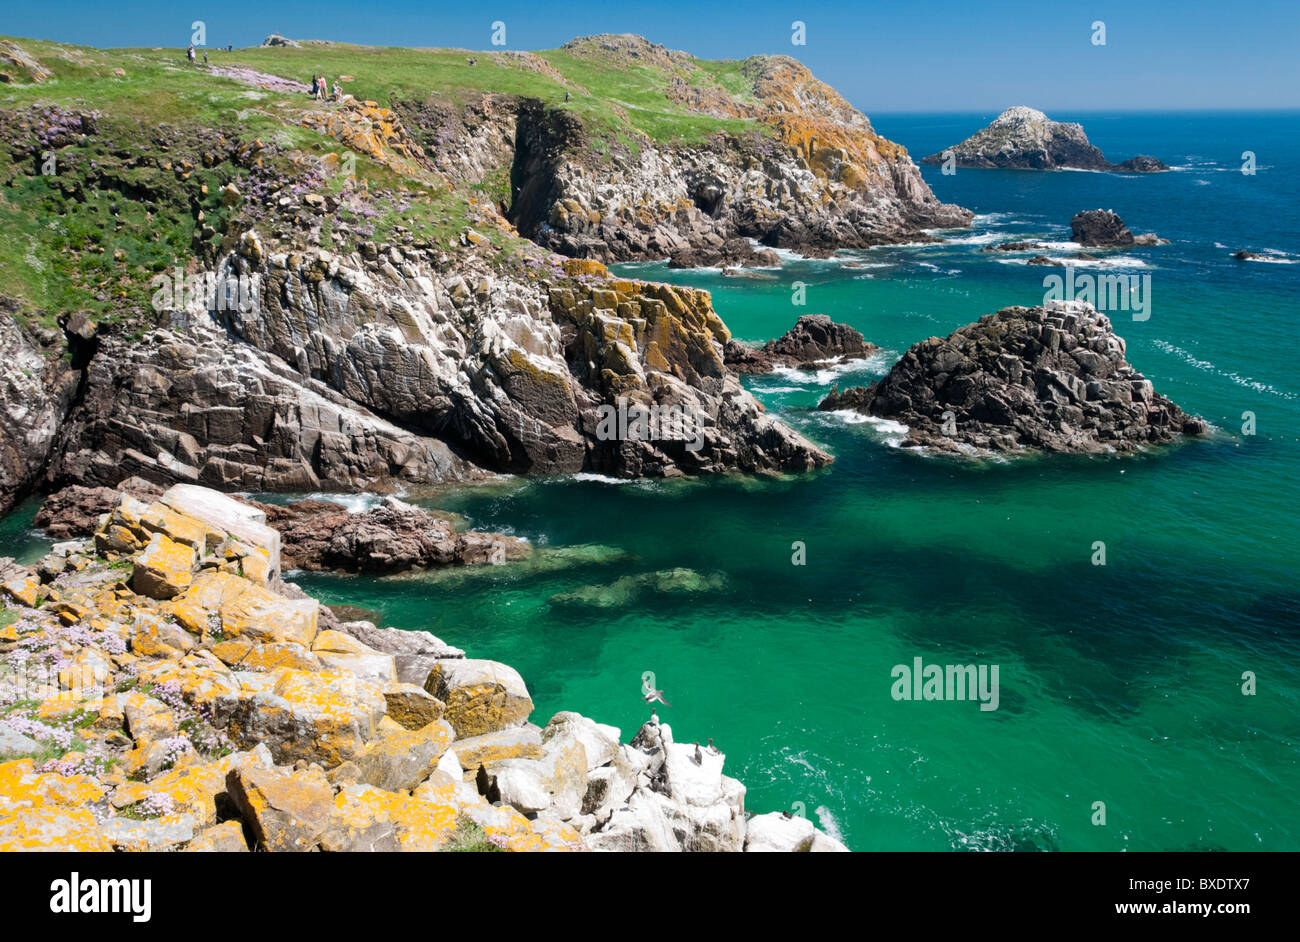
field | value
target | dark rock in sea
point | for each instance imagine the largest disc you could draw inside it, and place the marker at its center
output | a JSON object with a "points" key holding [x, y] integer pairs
{"points": [[1026, 139], [1141, 164], [814, 339], [1243, 256], [1044, 260], [1023, 379], [393, 536], [734, 252], [1014, 247], [1099, 227]]}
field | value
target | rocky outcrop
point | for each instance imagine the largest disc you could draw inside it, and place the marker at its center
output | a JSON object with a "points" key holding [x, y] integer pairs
{"points": [[1103, 227], [392, 537], [1026, 139], [18, 66], [814, 340], [353, 371], [1048, 379], [74, 511], [314, 534], [734, 252], [814, 176], [209, 707]]}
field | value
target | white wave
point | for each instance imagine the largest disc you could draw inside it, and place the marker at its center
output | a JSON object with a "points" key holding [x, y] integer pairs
{"points": [[778, 389], [828, 822], [891, 433], [978, 238], [827, 374], [353, 503], [1118, 261], [848, 416], [601, 478], [1230, 375]]}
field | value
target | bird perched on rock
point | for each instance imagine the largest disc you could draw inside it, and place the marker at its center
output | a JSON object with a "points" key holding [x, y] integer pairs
{"points": [[712, 748], [654, 716], [651, 695], [699, 756]]}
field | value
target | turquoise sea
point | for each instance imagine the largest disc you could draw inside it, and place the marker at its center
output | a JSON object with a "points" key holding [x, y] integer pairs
{"points": [[1119, 683]]}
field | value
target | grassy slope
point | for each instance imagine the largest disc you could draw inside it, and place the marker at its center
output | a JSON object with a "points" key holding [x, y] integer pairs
{"points": [[67, 249]]}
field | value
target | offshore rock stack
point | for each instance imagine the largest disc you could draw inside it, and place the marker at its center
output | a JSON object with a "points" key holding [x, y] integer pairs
{"points": [[1042, 378]]}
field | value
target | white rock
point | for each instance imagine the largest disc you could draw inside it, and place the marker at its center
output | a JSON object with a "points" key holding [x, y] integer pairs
{"points": [[776, 833]]}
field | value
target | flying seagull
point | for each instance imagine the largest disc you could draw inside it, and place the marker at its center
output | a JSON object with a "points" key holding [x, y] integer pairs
{"points": [[651, 695]]}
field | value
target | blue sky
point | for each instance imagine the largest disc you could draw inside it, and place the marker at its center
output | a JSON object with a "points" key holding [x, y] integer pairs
{"points": [[895, 56]]}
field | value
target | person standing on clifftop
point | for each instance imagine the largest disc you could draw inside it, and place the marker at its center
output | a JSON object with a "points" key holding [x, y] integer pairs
{"points": [[189, 54]]}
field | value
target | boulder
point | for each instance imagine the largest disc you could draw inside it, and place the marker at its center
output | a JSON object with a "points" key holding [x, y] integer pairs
{"points": [[165, 569], [224, 838], [411, 706], [519, 742], [284, 812], [600, 742], [344, 652], [481, 696], [323, 716], [403, 759]]}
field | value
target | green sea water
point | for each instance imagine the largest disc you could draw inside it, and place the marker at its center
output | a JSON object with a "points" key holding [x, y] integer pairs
{"points": [[1119, 684]]}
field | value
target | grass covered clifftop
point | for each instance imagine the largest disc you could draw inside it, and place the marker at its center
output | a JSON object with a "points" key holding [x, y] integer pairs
{"points": [[116, 164]]}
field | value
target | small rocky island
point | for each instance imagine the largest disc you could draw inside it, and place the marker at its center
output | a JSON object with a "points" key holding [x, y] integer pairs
{"points": [[814, 340], [1104, 228], [1024, 138], [1043, 378]]}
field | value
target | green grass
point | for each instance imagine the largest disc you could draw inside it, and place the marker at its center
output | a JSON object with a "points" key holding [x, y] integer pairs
{"points": [[609, 95], [114, 215]]}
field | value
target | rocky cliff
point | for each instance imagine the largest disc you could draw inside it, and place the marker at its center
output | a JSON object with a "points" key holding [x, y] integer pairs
{"points": [[1026, 139], [808, 172], [393, 323], [162, 689]]}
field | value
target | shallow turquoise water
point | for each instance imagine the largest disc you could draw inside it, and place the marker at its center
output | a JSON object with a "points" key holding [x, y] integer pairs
{"points": [[1119, 684]]}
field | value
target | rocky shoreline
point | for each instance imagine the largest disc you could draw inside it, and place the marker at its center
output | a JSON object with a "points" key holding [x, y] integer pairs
{"points": [[176, 694]]}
